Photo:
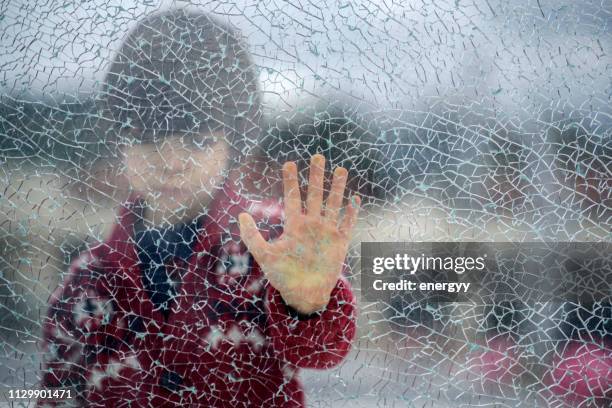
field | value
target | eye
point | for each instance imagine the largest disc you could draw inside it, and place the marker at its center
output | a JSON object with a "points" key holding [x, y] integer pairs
{"points": [[200, 140]]}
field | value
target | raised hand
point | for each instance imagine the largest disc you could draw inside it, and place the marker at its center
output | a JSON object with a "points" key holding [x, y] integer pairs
{"points": [[305, 262]]}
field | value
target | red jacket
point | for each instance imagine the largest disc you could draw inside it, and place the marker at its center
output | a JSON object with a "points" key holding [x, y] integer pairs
{"points": [[229, 341]]}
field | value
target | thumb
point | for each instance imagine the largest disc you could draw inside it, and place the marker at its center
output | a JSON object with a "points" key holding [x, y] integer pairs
{"points": [[252, 238]]}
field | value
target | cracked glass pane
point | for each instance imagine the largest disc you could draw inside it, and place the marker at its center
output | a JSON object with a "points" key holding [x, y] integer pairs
{"points": [[188, 189]]}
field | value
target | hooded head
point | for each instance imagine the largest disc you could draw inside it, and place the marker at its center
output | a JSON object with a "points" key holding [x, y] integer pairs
{"points": [[181, 102]]}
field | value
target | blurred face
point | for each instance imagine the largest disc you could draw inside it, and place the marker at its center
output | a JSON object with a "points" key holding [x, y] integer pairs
{"points": [[177, 176]]}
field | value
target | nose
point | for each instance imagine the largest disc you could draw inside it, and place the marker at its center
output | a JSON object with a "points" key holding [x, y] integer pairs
{"points": [[172, 159]]}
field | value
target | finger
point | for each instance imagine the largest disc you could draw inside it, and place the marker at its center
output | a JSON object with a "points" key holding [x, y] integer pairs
{"points": [[252, 238], [293, 199], [314, 198], [334, 200], [350, 217]]}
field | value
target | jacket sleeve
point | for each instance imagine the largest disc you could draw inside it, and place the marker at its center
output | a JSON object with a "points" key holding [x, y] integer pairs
{"points": [[319, 340], [73, 328]]}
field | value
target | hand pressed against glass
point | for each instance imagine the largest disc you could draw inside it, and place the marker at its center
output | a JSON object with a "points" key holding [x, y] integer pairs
{"points": [[305, 262], [177, 175]]}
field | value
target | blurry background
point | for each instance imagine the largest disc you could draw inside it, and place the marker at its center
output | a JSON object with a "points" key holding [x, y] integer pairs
{"points": [[460, 121]]}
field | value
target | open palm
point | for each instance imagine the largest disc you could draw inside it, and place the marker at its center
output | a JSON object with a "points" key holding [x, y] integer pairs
{"points": [[305, 262]]}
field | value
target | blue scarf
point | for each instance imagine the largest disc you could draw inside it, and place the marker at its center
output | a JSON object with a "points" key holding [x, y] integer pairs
{"points": [[158, 249]]}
